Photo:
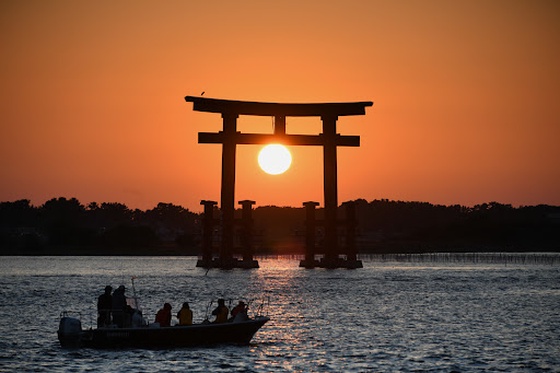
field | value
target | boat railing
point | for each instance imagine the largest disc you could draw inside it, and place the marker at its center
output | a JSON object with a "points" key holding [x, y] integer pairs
{"points": [[255, 308], [262, 308]]}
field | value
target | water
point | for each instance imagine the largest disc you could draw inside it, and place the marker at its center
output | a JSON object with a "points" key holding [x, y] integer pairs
{"points": [[392, 315]]}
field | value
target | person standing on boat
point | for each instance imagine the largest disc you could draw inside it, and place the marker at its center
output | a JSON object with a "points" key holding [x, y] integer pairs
{"points": [[119, 306], [163, 316], [104, 306], [185, 315], [221, 312]]}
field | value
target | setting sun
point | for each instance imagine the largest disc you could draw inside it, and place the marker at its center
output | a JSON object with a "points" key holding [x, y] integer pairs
{"points": [[275, 159]]}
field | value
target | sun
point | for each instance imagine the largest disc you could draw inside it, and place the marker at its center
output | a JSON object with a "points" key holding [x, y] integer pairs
{"points": [[275, 159]]}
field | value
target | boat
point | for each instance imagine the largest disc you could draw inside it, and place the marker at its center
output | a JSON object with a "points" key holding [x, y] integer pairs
{"points": [[139, 334], [237, 331]]}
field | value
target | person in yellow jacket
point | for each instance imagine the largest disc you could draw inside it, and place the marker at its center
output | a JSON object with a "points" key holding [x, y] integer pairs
{"points": [[221, 312], [185, 315]]}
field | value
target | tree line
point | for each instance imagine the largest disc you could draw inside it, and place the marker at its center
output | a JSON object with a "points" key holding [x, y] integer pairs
{"points": [[485, 227], [64, 226]]}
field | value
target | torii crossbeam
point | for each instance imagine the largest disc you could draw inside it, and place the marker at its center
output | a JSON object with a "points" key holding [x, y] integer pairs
{"points": [[229, 137]]}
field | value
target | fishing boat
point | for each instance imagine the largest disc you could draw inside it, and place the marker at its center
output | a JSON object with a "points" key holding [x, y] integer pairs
{"points": [[137, 332], [237, 331]]}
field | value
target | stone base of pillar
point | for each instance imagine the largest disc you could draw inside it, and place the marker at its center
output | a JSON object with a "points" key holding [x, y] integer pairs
{"points": [[309, 264], [227, 263], [331, 263]]}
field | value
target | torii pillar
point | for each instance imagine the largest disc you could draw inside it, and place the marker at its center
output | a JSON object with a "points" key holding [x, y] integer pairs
{"points": [[229, 137]]}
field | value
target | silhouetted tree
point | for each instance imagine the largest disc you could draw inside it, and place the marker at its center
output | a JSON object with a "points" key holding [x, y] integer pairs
{"points": [[64, 221], [18, 228], [170, 222], [126, 236], [18, 214]]}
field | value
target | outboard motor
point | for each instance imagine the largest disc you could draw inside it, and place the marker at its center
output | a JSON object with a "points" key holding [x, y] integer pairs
{"points": [[69, 331]]}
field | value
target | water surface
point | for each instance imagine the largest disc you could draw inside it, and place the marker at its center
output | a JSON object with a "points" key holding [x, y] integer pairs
{"points": [[417, 315]]}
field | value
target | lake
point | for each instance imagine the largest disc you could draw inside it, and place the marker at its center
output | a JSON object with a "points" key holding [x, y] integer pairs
{"points": [[439, 313]]}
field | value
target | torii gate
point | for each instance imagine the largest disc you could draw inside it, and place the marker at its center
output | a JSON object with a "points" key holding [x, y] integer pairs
{"points": [[229, 137]]}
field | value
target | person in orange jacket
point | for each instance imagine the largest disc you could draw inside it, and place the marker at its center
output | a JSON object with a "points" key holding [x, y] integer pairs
{"points": [[163, 316], [185, 315]]}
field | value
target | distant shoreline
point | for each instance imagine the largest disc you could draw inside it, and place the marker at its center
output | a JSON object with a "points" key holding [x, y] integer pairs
{"points": [[381, 249]]}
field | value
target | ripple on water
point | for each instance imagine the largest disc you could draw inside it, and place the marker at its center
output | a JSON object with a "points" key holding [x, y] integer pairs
{"points": [[385, 317]]}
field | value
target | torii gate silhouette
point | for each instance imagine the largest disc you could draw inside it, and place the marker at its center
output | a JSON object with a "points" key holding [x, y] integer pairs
{"points": [[229, 137]]}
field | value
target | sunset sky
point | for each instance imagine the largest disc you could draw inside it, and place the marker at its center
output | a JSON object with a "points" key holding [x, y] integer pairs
{"points": [[466, 98]]}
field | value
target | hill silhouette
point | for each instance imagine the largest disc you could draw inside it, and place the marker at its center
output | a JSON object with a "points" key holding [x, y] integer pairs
{"points": [[64, 226]]}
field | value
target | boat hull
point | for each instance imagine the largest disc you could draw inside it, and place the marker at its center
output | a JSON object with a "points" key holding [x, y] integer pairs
{"points": [[167, 337]]}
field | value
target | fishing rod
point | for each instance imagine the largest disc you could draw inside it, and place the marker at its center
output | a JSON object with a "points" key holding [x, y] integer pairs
{"points": [[208, 308], [134, 294]]}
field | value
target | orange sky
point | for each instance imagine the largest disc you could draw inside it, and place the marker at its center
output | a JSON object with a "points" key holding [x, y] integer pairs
{"points": [[467, 98]]}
